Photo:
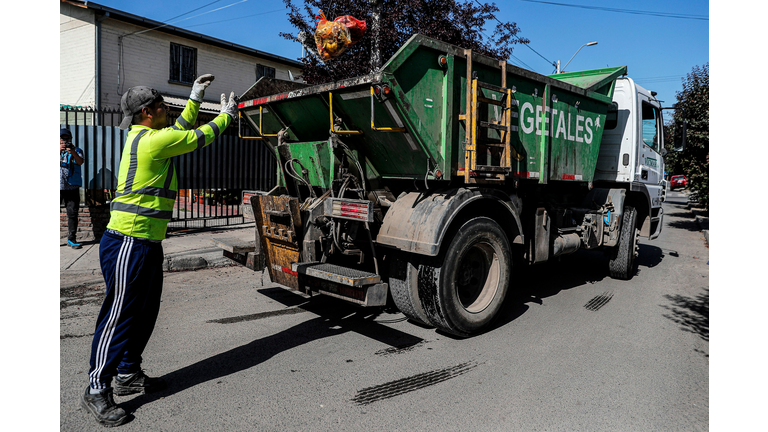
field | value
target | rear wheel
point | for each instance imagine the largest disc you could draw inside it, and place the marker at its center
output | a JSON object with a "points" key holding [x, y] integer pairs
{"points": [[403, 285], [463, 293], [622, 262]]}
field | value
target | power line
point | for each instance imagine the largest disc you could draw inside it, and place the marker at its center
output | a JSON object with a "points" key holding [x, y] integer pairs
{"points": [[520, 62], [628, 11], [528, 45], [233, 19], [659, 79], [186, 13], [195, 16]]}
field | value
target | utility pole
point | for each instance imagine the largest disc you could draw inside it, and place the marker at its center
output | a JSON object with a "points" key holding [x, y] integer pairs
{"points": [[375, 31]]}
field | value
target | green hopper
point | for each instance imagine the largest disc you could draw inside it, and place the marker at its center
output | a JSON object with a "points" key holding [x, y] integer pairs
{"points": [[409, 120]]}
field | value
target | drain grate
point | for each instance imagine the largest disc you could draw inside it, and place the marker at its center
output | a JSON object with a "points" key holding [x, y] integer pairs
{"points": [[405, 385], [599, 301]]}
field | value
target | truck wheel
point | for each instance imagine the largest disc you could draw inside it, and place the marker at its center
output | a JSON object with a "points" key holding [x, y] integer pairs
{"points": [[621, 264], [403, 284], [463, 293]]}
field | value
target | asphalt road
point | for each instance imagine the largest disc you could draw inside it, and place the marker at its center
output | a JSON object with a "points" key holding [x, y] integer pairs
{"points": [[573, 350]]}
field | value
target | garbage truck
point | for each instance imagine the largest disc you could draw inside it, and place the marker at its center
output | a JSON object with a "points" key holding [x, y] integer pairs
{"points": [[428, 183]]}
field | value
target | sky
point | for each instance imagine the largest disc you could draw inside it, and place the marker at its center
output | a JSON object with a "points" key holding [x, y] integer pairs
{"points": [[659, 41]]}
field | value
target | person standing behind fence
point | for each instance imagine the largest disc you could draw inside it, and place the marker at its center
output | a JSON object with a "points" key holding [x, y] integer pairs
{"points": [[130, 252], [70, 181]]}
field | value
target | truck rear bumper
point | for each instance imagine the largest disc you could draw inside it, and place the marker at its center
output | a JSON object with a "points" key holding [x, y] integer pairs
{"points": [[356, 286]]}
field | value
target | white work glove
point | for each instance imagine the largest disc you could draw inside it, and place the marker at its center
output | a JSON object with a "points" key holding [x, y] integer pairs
{"points": [[229, 107], [198, 88]]}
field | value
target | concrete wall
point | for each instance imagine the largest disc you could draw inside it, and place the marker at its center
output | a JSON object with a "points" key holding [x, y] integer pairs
{"points": [[77, 47], [143, 59]]}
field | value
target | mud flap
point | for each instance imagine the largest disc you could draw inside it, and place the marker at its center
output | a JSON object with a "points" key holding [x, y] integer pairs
{"points": [[279, 223]]}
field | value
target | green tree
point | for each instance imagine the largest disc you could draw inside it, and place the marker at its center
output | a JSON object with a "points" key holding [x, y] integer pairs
{"points": [[693, 107], [454, 21]]}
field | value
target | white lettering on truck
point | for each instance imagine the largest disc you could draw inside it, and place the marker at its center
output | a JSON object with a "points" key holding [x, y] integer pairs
{"points": [[527, 121], [588, 129], [560, 124], [578, 129]]}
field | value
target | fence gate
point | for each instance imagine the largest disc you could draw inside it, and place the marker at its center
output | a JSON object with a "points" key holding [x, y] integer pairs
{"points": [[211, 180]]}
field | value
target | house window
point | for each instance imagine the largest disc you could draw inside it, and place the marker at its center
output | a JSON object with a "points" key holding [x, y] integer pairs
{"points": [[264, 71], [183, 64]]}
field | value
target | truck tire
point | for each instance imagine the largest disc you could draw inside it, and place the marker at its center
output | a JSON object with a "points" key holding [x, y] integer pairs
{"points": [[463, 288], [622, 261], [403, 285]]}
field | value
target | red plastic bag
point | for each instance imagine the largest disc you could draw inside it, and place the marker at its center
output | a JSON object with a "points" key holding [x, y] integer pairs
{"points": [[332, 38], [356, 27]]}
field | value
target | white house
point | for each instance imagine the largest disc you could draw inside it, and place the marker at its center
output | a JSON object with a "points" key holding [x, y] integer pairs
{"points": [[104, 52]]}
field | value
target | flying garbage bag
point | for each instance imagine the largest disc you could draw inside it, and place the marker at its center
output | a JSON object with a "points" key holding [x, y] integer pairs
{"points": [[355, 26], [334, 37]]}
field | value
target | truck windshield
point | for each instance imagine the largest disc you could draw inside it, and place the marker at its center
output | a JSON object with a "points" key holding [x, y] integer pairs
{"points": [[651, 123]]}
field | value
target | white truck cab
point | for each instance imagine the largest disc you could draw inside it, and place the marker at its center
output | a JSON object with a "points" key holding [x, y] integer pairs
{"points": [[632, 148]]}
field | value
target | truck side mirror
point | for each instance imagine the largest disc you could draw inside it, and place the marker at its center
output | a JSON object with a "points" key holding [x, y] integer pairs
{"points": [[680, 132]]}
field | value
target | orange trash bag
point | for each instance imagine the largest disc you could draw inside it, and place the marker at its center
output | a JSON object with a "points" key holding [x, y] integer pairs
{"points": [[355, 26], [332, 38]]}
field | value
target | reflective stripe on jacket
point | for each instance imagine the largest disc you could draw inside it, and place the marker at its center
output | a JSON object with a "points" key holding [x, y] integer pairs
{"points": [[147, 183]]}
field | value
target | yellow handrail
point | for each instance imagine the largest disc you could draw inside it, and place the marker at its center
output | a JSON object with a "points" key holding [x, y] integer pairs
{"points": [[340, 132], [239, 126]]}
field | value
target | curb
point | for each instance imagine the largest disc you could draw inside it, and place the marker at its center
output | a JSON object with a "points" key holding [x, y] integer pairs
{"points": [[701, 220], [178, 262], [196, 260]]}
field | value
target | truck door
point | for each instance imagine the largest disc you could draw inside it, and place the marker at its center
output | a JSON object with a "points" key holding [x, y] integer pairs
{"points": [[649, 162], [650, 166]]}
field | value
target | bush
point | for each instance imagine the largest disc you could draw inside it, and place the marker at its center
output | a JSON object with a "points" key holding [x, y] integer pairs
{"points": [[693, 107]]}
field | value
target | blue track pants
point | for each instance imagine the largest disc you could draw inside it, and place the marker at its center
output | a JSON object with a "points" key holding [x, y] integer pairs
{"points": [[133, 271]]}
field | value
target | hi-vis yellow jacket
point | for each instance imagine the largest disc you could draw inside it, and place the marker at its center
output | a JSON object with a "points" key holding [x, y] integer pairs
{"points": [[147, 183]]}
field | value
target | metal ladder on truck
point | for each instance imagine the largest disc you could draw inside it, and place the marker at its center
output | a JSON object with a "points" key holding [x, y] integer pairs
{"points": [[477, 143]]}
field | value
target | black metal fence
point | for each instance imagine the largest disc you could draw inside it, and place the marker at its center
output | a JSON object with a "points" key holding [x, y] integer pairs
{"points": [[211, 180]]}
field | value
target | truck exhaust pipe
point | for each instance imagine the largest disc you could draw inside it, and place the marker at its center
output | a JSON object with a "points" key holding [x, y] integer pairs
{"points": [[566, 244]]}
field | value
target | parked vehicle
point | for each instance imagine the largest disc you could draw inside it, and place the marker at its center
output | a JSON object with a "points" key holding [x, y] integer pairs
{"points": [[431, 180], [678, 181]]}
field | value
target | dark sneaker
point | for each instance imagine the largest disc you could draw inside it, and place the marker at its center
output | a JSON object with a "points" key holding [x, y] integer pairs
{"points": [[103, 407], [73, 245], [138, 383]]}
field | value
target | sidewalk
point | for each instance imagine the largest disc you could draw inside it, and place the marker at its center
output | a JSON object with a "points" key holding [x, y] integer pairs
{"points": [[191, 249]]}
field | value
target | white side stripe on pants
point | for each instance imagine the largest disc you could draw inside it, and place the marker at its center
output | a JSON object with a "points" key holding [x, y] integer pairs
{"points": [[121, 279]]}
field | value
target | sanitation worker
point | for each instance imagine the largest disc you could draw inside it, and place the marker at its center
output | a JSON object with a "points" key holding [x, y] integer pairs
{"points": [[131, 252]]}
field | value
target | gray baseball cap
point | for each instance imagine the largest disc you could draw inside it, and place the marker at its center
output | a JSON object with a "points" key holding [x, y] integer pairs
{"points": [[134, 100]]}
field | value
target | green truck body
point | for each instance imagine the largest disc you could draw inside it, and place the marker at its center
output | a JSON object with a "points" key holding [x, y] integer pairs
{"points": [[426, 100]]}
